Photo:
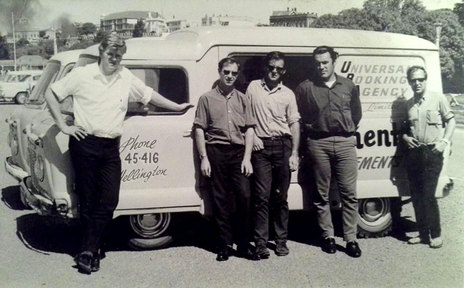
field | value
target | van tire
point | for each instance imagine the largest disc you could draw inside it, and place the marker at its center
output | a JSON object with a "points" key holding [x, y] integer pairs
{"points": [[375, 217], [20, 98], [149, 231]]}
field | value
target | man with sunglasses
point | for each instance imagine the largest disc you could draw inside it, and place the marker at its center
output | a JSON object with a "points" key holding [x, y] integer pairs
{"points": [[275, 153], [425, 114], [224, 137], [100, 96], [330, 109]]}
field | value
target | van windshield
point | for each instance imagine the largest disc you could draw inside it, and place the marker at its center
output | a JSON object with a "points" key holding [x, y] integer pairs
{"points": [[16, 78], [48, 76]]}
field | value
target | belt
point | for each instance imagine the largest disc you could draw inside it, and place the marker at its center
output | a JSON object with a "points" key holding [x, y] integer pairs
{"points": [[320, 135], [275, 138]]}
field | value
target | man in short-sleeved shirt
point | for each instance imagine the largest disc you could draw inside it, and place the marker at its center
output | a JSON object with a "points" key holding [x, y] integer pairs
{"points": [[426, 113], [275, 153], [100, 97], [224, 137]]}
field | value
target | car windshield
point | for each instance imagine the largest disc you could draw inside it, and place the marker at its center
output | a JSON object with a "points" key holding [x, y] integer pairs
{"points": [[48, 76], [16, 78]]}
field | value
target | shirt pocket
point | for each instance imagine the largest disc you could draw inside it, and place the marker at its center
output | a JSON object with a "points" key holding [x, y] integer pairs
{"points": [[433, 117]]}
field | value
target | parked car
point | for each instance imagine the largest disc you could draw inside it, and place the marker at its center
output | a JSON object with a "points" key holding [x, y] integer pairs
{"points": [[160, 167], [35, 109], [17, 85]]}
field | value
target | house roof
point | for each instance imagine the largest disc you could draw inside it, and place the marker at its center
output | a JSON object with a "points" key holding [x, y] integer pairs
{"points": [[131, 15]]}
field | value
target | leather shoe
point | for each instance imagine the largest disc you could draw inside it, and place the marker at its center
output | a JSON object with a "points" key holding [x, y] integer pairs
{"points": [[328, 245], [84, 262], [245, 252], [262, 252], [352, 249], [223, 254], [281, 248]]}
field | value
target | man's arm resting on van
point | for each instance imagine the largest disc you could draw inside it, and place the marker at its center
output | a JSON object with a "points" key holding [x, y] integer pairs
{"points": [[294, 159], [449, 130], [246, 166], [205, 167], [162, 102], [54, 106]]}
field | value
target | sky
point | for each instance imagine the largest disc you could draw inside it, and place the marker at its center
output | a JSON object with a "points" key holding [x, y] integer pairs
{"points": [[193, 10]]}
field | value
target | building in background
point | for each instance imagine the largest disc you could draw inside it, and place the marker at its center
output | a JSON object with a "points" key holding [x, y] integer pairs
{"points": [[291, 18], [228, 21], [123, 23], [176, 24], [32, 35]]}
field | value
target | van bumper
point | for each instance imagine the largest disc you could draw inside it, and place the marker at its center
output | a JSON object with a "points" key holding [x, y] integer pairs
{"points": [[14, 170], [31, 198]]}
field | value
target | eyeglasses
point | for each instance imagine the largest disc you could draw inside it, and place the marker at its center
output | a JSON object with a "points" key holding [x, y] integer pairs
{"points": [[227, 72], [280, 70], [418, 80]]}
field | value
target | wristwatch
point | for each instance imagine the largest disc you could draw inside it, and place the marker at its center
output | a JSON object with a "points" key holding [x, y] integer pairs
{"points": [[202, 156]]}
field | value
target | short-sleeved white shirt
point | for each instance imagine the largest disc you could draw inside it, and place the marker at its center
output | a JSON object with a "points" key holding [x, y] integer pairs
{"points": [[101, 105]]}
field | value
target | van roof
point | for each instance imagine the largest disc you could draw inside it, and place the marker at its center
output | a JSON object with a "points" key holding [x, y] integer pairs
{"points": [[67, 56], [192, 44]]}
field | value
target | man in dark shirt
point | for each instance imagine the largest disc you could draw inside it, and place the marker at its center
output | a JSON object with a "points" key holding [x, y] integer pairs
{"points": [[330, 109], [224, 137]]}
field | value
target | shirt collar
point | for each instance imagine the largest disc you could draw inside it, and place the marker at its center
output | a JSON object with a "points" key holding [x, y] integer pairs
{"points": [[419, 100], [222, 93], [278, 87], [321, 83], [96, 73]]}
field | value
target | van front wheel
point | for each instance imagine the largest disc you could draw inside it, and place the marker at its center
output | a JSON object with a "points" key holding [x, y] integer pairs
{"points": [[375, 218], [20, 98], [149, 231]]}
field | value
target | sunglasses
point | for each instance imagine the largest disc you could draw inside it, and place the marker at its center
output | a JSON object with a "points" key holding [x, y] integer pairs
{"points": [[227, 72], [418, 80], [279, 69]]}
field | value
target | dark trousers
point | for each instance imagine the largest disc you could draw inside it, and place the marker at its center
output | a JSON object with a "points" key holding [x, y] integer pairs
{"points": [[271, 180], [424, 167], [337, 154], [97, 169], [230, 193]]}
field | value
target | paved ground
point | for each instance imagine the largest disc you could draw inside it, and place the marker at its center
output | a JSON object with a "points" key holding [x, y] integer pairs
{"points": [[36, 252]]}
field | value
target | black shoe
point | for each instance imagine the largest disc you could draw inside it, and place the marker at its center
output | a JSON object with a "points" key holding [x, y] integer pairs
{"points": [[96, 262], [262, 252], [84, 262], [328, 245], [281, 248], [352, 249], [224, 254], [245, 252]]}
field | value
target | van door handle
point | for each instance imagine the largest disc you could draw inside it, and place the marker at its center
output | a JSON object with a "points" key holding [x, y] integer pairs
{"points": [[187, 133]]}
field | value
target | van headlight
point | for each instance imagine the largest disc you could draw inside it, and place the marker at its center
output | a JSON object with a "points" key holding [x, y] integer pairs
{"points": [[39, 170], [14, 145]]}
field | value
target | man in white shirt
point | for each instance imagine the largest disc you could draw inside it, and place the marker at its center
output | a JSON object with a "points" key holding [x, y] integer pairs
{"points": [[100, 97]]}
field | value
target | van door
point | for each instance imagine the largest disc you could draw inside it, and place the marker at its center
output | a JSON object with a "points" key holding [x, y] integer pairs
{"points": [[157, 148]]}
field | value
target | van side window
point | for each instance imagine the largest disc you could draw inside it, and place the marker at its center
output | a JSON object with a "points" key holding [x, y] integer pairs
{"points": [[168, 81], [299, 68]]}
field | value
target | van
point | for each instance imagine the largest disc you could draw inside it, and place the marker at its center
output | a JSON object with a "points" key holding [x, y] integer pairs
{"points": [[18, 84], [160, 165], [34, 109]]}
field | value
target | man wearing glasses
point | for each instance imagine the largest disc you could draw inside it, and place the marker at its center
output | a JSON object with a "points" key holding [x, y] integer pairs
{"points": [[224, 137], [331, 110], [426, 113], [275, 153]]}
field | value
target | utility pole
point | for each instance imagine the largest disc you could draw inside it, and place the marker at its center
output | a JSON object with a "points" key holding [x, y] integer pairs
{"points": [[14, 40], [438, 27]]}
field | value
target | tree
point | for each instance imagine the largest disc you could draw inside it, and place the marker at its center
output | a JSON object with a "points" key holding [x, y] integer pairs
{"points": [[99, 37], [4, 54], [87, 28], [139, 29], [459, 10], [22, 43]]}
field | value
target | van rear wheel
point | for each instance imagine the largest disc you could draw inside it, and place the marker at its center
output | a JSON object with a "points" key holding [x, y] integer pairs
{"points": [[149, 231], [375, 218]]}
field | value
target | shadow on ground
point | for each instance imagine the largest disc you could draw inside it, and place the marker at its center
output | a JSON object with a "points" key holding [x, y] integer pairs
{"points": [[11, 198]]}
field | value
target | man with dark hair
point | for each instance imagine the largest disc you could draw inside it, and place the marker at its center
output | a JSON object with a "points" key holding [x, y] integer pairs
{"points": [[425, 114], [331, 110], [275, 153], [224, 137], [100, 96]]}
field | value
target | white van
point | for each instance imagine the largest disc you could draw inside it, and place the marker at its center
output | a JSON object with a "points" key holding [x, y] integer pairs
{"points": [[160, 173], [18, 84]]}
